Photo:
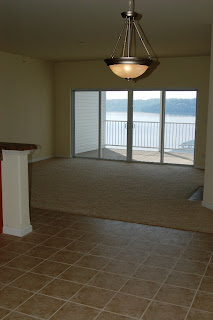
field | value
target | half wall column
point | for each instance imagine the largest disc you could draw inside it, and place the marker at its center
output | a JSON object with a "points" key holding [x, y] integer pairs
{"points": [[208, 182]]}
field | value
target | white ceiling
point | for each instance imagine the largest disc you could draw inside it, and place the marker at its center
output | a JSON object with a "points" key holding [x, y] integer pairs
{"points": [[87, 29]]}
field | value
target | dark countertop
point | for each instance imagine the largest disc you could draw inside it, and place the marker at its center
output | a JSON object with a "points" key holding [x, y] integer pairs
{"points": [[16, 146]]}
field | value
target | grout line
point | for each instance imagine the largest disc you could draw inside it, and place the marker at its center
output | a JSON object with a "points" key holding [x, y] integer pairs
{"points": [[28, 271], [88, 254], [84, 285], [128, 278], [153, 299], [198, 288]]}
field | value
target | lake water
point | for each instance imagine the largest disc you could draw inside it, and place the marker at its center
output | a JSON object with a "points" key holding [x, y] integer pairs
{"points": [[179, 130], [150, 117]]}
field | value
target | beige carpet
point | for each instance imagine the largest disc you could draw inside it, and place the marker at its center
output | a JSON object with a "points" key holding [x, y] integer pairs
{"points": [[135, 192]]}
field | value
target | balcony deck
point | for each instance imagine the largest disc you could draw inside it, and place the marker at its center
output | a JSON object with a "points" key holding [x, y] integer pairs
{"points": [[180, 157]]}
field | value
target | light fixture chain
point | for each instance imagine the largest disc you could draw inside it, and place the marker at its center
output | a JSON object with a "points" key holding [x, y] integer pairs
{"points": [[147, 51], [129, 36], [118, 40], [125, 39]]}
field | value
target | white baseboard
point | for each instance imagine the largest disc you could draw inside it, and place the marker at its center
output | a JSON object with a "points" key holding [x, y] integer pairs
{"points": [[40, 159], [207, 205], [17, 232]]}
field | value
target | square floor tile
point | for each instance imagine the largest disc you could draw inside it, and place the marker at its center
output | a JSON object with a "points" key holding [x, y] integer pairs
{"points": [[19, 246], [93, 262], [5, 242], [124, 268], [72, 311], [209, 271], [168, 250], [142, 245], [128, 305], [10, 298], [63, 222], [9, 274], [49, 230], [185, 280], [151, 273], [203, 301], [24, 262], [70, 234], [78, 274], [92, 237], [197, 255], [162, 311], [200, 245], [35, 225], [190, 266], [66, 256], [94, 297], [105, 251], [81, 246], [41, 252], [18, 316], [132, 256], [40, 306], [116, 241], [3, 313], [50, 268], [111, 316], [6, 256], [61, 289], [56, 242], [108, 281], [141, 288], [207, 284], [34, 237], [158, 261], [176, 295], [31, 282], [199, 315]]}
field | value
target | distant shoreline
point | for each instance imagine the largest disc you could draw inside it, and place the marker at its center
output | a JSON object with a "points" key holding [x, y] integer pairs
{"points": [[174, 106]]}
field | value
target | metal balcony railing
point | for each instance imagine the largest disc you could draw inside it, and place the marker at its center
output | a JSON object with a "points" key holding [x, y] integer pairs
{"points": [[147, 134]]}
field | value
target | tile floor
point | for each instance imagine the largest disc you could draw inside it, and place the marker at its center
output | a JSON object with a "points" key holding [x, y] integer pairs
{"points": [[81, 268]]}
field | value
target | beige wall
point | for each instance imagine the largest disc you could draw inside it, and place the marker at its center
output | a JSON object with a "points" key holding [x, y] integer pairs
{"points": [[172, 73], [208, 185], [26, 102]]}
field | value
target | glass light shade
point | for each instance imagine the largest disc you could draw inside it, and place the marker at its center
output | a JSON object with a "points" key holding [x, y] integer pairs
{"points": [[128, 71], [128, 67]]}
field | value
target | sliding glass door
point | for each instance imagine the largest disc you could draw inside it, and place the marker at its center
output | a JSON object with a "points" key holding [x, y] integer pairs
{"points": [[114, 125], [146, 126], [179, 132], [143, 126]]}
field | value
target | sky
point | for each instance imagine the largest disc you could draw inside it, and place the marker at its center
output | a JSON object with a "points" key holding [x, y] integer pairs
{"points": [[145, 95]]}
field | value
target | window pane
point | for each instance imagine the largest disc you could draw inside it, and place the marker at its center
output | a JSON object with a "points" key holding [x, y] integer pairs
{"points": [[86, 124], [180, 121]]}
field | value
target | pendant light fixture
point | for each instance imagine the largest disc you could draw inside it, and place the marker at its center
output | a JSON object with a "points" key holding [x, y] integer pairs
{"points": [[127, 66]]}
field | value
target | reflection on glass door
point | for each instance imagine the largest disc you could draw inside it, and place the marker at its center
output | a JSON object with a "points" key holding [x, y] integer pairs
{"points": [[86, 132], [146, 126], [179, 130], [114, 125]]}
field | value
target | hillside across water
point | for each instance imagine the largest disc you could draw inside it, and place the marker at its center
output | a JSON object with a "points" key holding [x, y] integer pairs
{"points": [[173, 106]]}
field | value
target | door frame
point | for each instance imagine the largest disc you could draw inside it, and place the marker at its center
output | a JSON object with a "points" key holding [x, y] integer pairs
{"points": [[130, 123]]}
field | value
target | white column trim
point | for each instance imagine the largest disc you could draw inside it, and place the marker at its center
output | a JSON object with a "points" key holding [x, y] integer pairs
{"points": [[17, 232]]}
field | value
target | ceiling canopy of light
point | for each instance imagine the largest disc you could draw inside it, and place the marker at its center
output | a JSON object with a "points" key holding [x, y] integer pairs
{"points": [[127, 66]]}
